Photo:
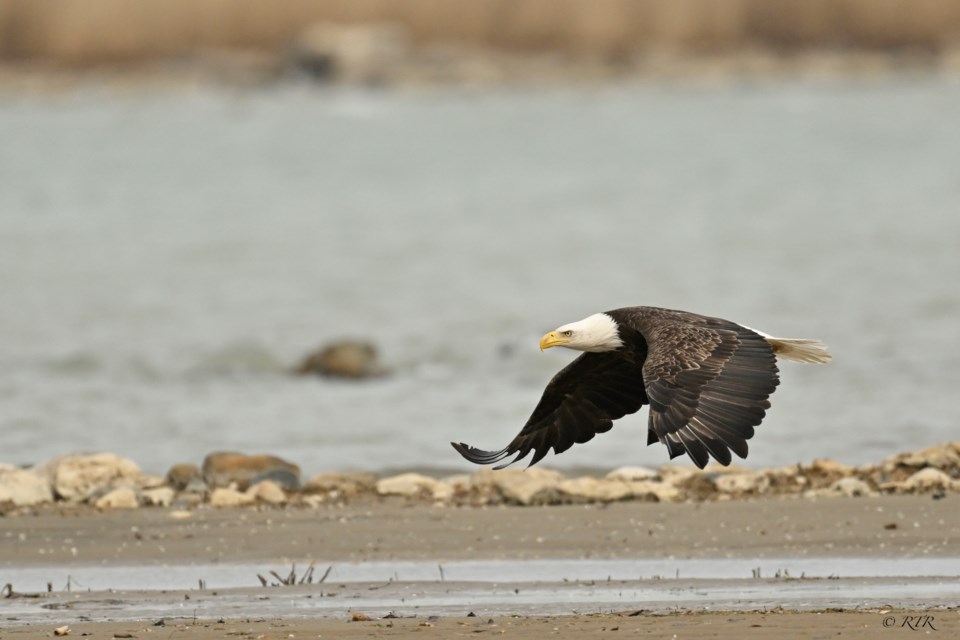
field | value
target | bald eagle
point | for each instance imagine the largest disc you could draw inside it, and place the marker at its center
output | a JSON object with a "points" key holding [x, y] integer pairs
{"points": [[707, 381]]}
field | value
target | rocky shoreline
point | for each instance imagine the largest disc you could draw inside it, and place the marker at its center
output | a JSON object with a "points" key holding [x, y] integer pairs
{"points": [[106, 481]]}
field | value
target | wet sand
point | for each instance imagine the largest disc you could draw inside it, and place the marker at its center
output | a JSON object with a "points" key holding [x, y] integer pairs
{"points": [[719, 625], [394, 529], [883, 533]]}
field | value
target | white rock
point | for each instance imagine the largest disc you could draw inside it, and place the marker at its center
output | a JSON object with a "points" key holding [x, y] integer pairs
{"points": [[24, 487], [658, 491], [223, 497], [755, 482], [159, 496], [526, 486], [78, 477], [407, 484], [151, 482], [927, 479], [632, 474], [267, 491], [677, 474], [851, 487], [941, 456], [595, 489], [120, 498], [826, 465]]}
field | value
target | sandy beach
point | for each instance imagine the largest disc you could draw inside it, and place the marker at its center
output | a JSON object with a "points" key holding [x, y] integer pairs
{"points": [[197, 574]]}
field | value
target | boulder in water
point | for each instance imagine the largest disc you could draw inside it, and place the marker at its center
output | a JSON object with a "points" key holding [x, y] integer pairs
{"points": [[345, 359]]}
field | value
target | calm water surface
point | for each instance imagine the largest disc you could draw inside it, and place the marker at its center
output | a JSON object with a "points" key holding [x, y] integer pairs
{"points": [[165, 255]]}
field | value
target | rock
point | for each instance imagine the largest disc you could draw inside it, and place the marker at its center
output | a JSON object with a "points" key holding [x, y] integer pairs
{"points": [[596, 490], [78, 477], [676, 474], [850, 487], [151, 482], [368, 53], [344, 359], [414, 485], [158, 496], [120, 498], [527, 486], [633, 474], [941, 456], [24, 487], [267, 491], [828, 466], [222, 469], [748, 482], [181, 475], [928, 478], [655, 491], [229, 498], [347, 484]]}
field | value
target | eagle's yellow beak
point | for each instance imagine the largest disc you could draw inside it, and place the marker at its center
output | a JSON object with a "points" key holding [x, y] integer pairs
{"points": [[552, 339]]}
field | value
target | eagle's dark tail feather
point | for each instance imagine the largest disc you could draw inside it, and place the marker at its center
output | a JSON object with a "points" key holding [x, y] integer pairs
{"points": [[479, 456]]}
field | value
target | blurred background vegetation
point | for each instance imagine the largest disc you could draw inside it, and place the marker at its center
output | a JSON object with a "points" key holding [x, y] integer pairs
{"points": [[386, 39]]}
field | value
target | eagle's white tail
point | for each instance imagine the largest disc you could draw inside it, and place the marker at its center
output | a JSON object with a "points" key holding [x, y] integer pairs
{"points": [[800, 349]]}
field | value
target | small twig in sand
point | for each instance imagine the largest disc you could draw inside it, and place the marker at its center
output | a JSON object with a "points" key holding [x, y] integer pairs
{"points": [[326, 573], [440, 566], [8, 592], [263, 581], [307, 575]]}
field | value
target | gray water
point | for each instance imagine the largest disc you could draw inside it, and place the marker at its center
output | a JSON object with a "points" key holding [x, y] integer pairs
{"points": [[239, 575], [166, 254], [483, 587]]}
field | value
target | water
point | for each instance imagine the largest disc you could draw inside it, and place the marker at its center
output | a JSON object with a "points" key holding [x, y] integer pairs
{"points": [[239, 575], [483, 587], [165, 255]]}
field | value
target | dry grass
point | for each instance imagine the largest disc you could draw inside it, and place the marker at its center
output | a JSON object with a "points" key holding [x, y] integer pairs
{"points": [[92, 31]]}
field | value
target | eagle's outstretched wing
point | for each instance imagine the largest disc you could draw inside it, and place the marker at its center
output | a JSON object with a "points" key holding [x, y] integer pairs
{"points": [[708, 387], [582, 400]]}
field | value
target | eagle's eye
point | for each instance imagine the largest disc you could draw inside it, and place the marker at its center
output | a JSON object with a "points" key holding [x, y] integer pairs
{"points": [[567, 333]]}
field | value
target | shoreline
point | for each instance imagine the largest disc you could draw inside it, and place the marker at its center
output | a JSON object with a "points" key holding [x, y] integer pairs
{"points": [[655, 552], [394, 566]]}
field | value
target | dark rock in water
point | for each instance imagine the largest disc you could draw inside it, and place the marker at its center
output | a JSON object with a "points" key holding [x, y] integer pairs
{"points": [[346, 359], [180, 476], [221, 469]]}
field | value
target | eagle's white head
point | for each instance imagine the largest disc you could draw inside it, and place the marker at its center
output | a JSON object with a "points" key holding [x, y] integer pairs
{"points": [[596, 333]]}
